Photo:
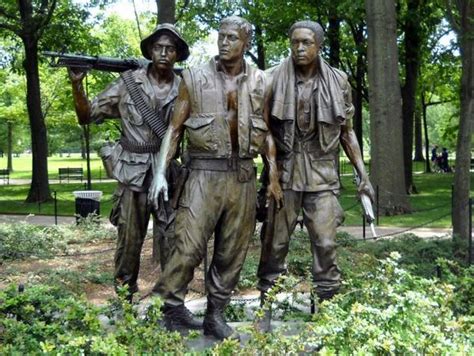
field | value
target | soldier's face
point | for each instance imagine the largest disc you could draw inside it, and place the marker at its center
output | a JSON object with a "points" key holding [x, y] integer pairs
{"points": [[304, 47], [231, 42], [163, 52]]}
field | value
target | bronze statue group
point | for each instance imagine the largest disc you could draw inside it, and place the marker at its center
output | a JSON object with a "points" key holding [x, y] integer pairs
{"points": [[294, 115]]}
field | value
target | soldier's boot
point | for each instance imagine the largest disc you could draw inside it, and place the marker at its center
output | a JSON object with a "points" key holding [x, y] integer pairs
{"points": [[263, 324], [326, 295], [179, 318], [214, 323]]}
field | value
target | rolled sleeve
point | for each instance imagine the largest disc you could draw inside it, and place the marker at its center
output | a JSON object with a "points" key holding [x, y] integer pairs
{"points": [[349, 107], [106, 104]]}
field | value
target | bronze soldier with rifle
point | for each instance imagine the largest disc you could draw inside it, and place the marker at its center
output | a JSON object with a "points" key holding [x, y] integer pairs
{"points": [[143, 99]]}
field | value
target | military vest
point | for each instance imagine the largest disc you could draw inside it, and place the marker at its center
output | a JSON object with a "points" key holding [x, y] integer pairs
{"points": [[318, 147], [208, 134]]}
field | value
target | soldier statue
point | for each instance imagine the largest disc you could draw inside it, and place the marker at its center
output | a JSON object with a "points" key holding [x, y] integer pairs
{"points": [[220, 106], [310, 115], [143, 99]]}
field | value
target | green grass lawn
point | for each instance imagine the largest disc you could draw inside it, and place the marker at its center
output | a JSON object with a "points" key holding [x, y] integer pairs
{"points": [[432, 204], [12, 199], [22, 165]]}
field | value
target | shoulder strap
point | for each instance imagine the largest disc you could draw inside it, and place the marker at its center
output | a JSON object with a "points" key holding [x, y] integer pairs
{"points": [[151, 117]]}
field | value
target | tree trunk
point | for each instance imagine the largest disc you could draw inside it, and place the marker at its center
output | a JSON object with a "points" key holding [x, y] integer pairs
{"points": [[260, 47], [39, 189], [385, 108], [412, 63], [10, 146], [333, 37], [166, 11], [418, 137], [424, 107], [359, 85], [462, 181]]}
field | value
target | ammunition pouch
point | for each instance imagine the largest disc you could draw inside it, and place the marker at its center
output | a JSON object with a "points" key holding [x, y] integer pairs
{"points": [[106, 154]]}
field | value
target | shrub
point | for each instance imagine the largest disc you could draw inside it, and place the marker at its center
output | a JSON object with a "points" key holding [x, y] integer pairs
{"points": [[22, 240], [45, 319]]}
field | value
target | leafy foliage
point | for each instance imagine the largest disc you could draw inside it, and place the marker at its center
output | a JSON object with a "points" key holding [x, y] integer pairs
{"points": [[22, 240], [52, 320]]}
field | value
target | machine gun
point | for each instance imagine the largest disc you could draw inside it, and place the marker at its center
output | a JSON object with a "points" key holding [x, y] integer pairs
{"points": [[86, 63], [367, 206]]}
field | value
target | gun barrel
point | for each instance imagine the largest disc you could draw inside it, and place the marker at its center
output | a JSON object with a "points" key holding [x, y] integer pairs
{"points": [[107, 64]]}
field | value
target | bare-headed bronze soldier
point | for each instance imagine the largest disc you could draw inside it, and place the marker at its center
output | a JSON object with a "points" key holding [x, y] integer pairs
{"points": [[311, 113], [221, 107]]}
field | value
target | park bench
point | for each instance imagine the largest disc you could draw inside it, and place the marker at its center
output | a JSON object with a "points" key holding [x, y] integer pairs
{"points": [[5, 175], [70, 173]]}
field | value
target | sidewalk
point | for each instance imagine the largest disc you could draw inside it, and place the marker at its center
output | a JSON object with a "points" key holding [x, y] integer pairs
{"points": [[22, 181], [355, 231]]}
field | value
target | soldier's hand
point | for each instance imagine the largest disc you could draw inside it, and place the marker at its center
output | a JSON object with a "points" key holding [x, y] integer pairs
{"points": [[158, 185], [274, 190], [365, 187], [76, 75]]}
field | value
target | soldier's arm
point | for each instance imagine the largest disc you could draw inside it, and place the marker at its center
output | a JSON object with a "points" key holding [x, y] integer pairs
{"points": [[105, 105], [270, 153], [170, 144], [352, 149], [81, 102]]}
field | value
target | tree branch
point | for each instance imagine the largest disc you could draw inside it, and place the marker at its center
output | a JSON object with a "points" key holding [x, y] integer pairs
{"points": [[181, 10], [11, 28], [438, 102], [45, 20], [451, 18], [7, 15]]}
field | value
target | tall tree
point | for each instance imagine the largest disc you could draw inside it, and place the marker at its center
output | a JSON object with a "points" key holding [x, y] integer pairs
{"points": [[28, 20], [32, 22], [462, 18], [412, 46], [12, 112], [385, 107]]}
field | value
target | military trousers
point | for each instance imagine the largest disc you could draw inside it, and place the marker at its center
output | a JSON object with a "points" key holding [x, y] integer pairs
{"points": [[322, 214], [131, 214], [213, 202]]}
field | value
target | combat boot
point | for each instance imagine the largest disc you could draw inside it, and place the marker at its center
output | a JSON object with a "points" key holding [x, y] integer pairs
{"points": [[263, 324], [214, 323], [326, 294], [179, 318]]}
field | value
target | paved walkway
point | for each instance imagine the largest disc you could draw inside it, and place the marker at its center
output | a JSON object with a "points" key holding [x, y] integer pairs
{"points": [[24, 181], [355, 231]]}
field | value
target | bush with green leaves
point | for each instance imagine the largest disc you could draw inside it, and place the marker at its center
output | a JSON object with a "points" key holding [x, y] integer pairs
{"points": [[385, 310], [45, 319]]}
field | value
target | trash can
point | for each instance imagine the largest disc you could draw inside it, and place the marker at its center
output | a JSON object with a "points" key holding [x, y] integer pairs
{"points": [[87, 202]]}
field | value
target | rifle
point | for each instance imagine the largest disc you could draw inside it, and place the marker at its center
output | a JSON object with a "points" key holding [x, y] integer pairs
{"points": [[367, 206], [86, 63]]}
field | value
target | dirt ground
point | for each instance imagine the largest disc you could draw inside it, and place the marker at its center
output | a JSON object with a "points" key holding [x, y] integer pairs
{"points": [[79, 262]]}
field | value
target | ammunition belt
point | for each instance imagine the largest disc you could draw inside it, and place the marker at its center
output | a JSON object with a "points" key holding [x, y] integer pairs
{"points": [[152, 119], [140, 147]]}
